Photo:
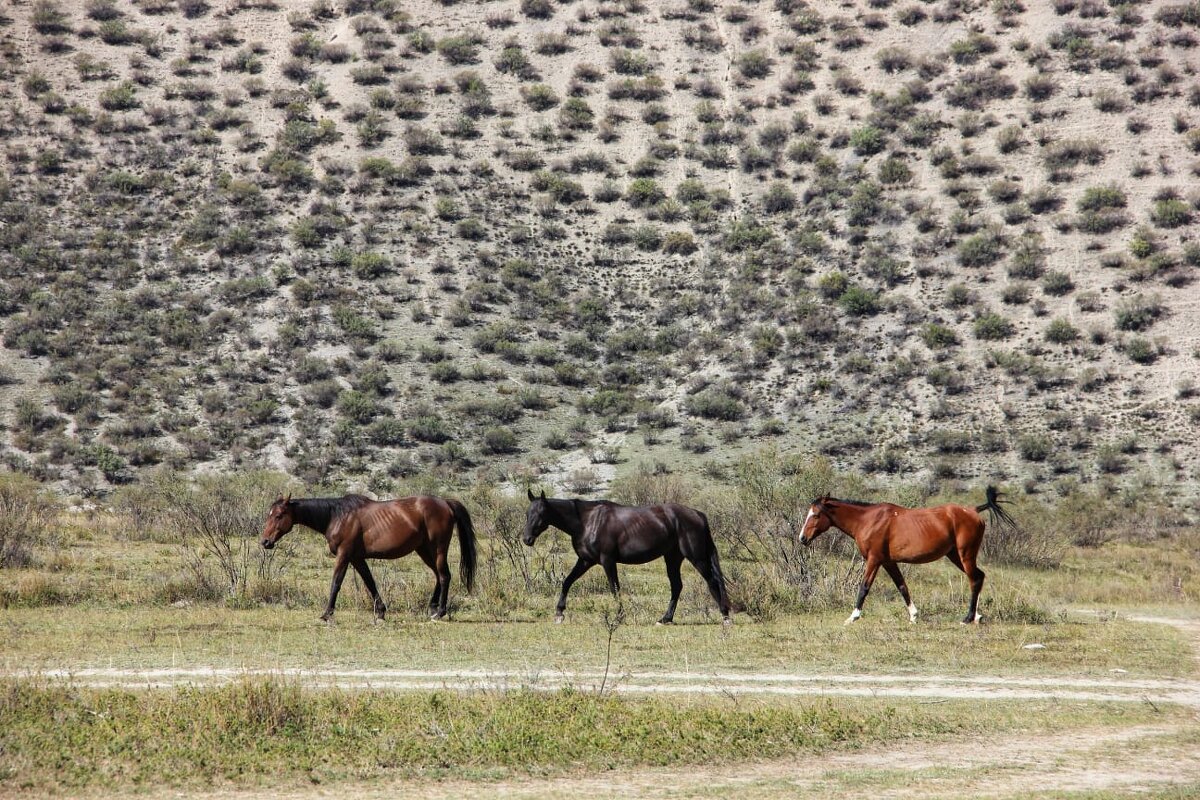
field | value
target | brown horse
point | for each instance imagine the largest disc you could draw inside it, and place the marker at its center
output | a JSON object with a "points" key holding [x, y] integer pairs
{"points": [[609, 534], [888, 535], [357, 528]]}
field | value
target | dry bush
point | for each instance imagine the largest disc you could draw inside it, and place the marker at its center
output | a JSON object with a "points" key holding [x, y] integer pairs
{"points": [[216, 519], [27, 516]]}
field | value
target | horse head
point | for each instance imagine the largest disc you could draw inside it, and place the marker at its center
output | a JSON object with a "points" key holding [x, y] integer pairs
{"points": [[537, 518], [280, 520], [817, 521]]}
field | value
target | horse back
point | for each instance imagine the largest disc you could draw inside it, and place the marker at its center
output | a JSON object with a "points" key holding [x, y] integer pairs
{"points": [[394, 528]]}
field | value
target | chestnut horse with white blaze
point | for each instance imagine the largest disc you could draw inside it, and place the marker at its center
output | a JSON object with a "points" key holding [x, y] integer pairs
{"points": [[357, 528], [888, 535]]}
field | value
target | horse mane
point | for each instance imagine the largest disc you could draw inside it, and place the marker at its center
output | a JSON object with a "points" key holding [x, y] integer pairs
{"points": [[860, 503], [319, 512]]}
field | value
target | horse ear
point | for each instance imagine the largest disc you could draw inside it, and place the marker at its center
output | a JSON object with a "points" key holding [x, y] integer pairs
{"points": [[288, 499], [543, 494], [529, 492]]}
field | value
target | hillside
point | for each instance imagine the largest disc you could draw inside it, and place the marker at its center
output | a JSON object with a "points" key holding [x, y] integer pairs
{"points": [[366, 240]]}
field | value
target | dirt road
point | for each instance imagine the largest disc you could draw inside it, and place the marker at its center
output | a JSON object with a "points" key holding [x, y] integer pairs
{"points": [[1181, 692]]}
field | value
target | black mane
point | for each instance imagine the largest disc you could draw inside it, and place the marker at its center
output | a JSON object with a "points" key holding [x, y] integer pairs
{"points": [[319, 512]]}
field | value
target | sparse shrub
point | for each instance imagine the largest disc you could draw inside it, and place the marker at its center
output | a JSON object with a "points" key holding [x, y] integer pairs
{"points": [[644, 192], [1141, 350], [1034, 447], [991, 326], [1137, 313], [1061, 331], [715, 403], [754, 64], [859, 302], [937, 336], [27, 516], [980, 250], [121, 97], [867, 140], [1170, 212], [539, 96], [499, 440]]}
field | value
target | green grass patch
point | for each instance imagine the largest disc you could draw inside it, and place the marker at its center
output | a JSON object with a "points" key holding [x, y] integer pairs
{"points": [[56, 738]]}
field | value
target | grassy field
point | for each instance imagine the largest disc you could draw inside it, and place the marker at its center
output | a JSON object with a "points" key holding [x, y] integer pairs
{"points": [[278, 734], [111, 591]]}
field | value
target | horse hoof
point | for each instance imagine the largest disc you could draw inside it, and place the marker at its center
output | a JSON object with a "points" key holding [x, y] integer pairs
{"points": [[558, 619], [727, 621], [665, 622]]}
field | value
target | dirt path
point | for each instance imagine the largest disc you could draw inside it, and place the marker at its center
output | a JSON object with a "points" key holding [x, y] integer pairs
{"points": [[946, 687]]}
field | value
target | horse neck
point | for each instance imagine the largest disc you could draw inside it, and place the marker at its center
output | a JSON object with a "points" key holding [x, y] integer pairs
{"points": [[568, 516], [844, 516], [314, 514]]}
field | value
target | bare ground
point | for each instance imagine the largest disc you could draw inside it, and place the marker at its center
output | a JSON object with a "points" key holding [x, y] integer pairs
{"points": [[982, 687]]}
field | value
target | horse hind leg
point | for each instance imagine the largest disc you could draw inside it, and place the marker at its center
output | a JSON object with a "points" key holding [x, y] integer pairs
{"points": [[442, 592], [431, 562], [966, 562], [377, 604], [893, 569], [674, 560]]}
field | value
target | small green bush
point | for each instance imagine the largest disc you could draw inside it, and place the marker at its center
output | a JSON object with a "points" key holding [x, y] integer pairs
{"points": [[867, 140], [1061, 331], [937, 336], [1171, 213], [991, 327]]}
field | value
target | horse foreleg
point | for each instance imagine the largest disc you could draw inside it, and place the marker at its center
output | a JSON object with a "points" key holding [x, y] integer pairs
{"points": [[893, 569], [339, 572], [364, 572], [581, 566], [868, 579], [674, 560]]}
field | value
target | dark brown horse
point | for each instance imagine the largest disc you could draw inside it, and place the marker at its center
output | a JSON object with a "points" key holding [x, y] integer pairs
{"points": [[608, 534], [358, 528], [888, 535]]}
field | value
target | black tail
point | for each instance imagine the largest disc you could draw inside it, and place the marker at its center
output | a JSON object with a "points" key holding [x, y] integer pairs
{"points": [[466, 543], [714, 561], [999, 517]]}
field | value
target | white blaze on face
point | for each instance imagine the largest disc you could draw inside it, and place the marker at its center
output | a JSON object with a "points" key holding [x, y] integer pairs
{"points": [[807, 519]]}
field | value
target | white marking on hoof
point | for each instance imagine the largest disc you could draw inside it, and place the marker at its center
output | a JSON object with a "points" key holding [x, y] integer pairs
{"points": [[854, 615], [727, 621], [912, 613], [978, 618], [558, 618]]}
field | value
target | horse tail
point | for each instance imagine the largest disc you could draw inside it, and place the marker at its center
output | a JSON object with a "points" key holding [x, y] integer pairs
{"points": [[714, 561], [466, 543], [996, 513]]}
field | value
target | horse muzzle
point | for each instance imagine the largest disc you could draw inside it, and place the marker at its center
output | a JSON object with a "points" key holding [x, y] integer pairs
{"points": [[268, 544]]}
